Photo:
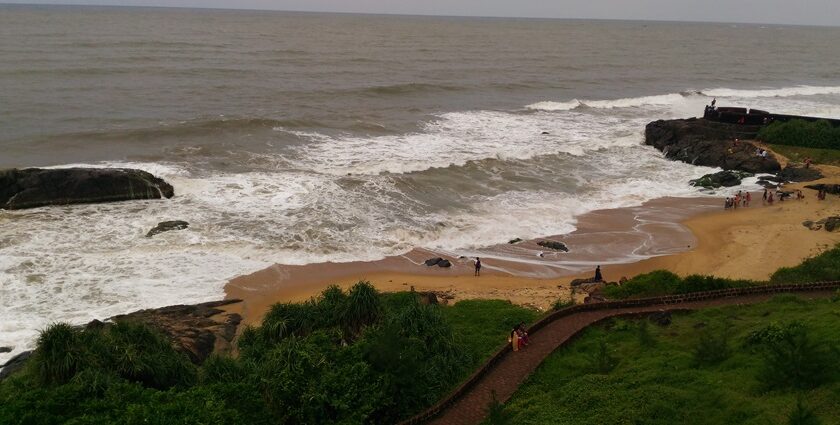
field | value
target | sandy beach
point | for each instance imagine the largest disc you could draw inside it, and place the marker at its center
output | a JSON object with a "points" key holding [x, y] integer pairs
{"points": [[684, 235]]}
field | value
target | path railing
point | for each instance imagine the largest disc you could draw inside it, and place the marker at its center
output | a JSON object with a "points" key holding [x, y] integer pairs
{"points": [[667, 300]]}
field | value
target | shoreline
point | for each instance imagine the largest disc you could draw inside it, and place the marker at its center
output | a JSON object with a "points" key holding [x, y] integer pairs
{"points": [[683, 235]]}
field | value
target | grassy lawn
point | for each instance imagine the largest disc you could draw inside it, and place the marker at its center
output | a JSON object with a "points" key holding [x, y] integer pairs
{"points": [[704, 368], [818, 156], [484, 325]]}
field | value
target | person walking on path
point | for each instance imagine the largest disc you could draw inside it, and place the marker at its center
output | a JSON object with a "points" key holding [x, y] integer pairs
{"points": [[477, 266], [598, 277]]}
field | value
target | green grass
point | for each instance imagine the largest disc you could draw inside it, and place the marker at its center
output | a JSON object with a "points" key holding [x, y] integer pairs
{"points": [[484, 325], [818, 156], [659, 379]]}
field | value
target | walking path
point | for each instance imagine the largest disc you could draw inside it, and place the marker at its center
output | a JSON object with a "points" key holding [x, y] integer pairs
{"points": [[505, 372]]}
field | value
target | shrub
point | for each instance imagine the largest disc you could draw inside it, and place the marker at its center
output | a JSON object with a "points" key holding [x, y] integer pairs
{"points": [[59, 354], [792, 359], [817, 134], [658, 282], [561, 304], [645, 338], [823, 267], [712, 348], [363, 308], [602, 362], [801, 415]]}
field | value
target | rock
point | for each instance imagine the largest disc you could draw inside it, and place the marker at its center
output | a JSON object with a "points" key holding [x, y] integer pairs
{"points": [[579, 282], [545, 133], [700, 142], [662, 318], [36, 187], [14, 364], [799, 174], [433, 261], [809, 224], [832, 224], [197, 330], [726, 178], [428, 298], [557, 246], [513, 241], [5, 349], [444, 263], [833, 189], [166, 226]]}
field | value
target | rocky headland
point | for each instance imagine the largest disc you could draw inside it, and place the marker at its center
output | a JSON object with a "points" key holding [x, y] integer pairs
{"points": [[38, 187]]}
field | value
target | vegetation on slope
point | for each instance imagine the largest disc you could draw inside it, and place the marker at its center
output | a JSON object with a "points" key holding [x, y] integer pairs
{"points": [[769, 363], [351, 358], [818, 156], [818, 134], [823, 267]]}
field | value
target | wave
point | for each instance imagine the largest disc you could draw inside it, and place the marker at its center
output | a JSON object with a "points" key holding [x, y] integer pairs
{"points": [[410, 88], [778, 92]]}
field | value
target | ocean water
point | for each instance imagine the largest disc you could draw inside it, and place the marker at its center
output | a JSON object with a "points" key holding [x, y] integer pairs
{"points": [[297, 138]]}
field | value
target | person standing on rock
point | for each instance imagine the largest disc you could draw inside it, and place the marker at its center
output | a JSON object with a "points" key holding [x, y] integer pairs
{"points": [[477, 266], [598, 277]]}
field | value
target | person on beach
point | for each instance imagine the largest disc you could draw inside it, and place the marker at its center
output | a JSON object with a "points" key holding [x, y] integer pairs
{"points": [[808, 162], [598, 277], [770, 198], [799, 195], [727, 203], [747, 199], [764, 199], [477, 266], [714, 100]]}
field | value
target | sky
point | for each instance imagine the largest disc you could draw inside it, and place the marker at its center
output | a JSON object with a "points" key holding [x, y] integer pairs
{"points": [[801, 12]]}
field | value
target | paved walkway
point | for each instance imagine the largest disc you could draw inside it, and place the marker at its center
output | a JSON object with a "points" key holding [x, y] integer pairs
{"points": [[512, 370]]}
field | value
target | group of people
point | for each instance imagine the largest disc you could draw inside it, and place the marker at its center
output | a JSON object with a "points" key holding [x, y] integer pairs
{"points": [[761, 152], [518, 337], [740, 199]]}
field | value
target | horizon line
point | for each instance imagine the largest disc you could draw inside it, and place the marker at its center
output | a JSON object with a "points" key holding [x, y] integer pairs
{"points": [[421, 15]]}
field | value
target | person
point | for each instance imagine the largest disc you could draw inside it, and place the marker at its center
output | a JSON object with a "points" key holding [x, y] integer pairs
{"points": [[799, 195], [598, 277], [770, 198], [808, 162], [764, 154], [821, 195], [765, 195], [727, 204], [747, 199], [523, 334], [714, 100], [477, 266], [515, 343]]}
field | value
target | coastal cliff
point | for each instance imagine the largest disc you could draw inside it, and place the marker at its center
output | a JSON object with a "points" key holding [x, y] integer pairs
{"points": [[36, 187], [701, 142]]}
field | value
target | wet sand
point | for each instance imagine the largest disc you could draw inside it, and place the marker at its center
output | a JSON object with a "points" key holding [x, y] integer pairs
{"points": [[684, 235]]}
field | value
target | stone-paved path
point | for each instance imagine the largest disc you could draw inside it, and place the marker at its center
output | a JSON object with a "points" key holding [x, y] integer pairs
{"points": [[512, 370]]}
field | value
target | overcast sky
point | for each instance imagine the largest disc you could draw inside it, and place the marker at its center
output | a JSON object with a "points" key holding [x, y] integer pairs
{"points": [[807, 12]]}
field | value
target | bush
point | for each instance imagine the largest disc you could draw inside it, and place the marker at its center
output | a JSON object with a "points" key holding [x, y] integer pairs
{"points": [[823, 267], [817, 134], [801, 415], [711, 348], [662, 282], [602, 362], [59, 354], [792, 359]]}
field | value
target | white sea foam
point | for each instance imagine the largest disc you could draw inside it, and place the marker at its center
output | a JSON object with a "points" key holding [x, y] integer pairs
{"points": [[772, 92]]}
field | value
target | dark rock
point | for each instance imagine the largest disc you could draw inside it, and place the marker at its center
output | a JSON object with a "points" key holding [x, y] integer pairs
{"points": [[35, 187], [578, 282], [5, 349], [444, 263], [832, 223], [197, 330], [557, 246], [833, 189], [513, 241], [166, 226], [799, 174], [433, 261], [726, 178], [662, 318], [14, 364], [428, 298], [700, 142], [545, 132], [810, 225]]}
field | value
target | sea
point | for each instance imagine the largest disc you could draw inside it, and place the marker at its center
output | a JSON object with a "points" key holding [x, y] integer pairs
{"points": [[298, 138]]}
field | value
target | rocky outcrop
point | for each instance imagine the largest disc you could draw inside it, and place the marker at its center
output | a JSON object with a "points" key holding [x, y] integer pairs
{"points": [[833, 189], [14, 364], [166, 226], [433, 261], [726, 178], [712, 144], [557, 246], [36, 187], [830, 224], [197, 330], [444, 263], [798, 174]]}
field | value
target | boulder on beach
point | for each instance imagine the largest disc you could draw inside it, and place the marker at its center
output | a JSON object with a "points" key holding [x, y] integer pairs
{"points": [[166, 226], [712, 144], [433, 261], [557, 246], [36, 187], [798, 174], [14, 364], [515, 241], [444, 263], [726, 178], [832, 224], [833, 189]]}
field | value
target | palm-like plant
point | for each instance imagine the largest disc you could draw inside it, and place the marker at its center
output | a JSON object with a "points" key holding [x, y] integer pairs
{"points": [[363, 308], [58, 355]]}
